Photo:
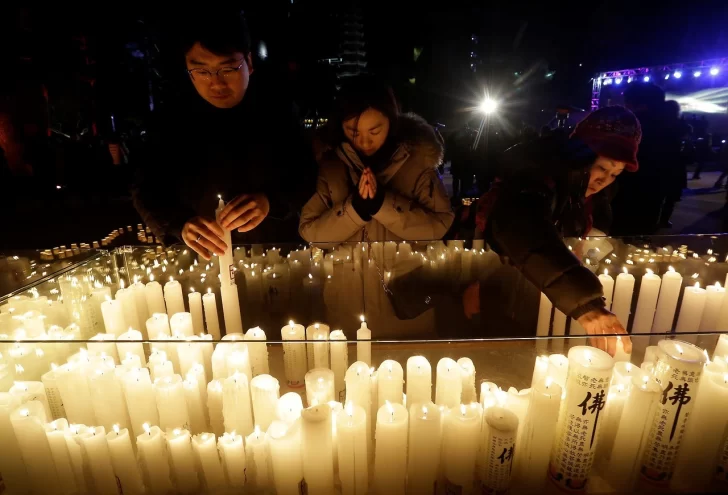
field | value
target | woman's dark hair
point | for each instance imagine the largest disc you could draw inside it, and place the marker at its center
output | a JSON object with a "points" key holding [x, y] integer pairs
{"points": [[357, 95], [222, 31]]}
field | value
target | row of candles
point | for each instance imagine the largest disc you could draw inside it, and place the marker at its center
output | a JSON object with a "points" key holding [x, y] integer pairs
{"points": [[87, 422]]}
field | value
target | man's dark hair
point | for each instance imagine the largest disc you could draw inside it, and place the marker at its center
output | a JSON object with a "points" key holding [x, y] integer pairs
{"points": [[223, 31], [644, 96]]}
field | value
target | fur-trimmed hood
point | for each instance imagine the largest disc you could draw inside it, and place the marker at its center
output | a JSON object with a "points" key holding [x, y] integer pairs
{"points": [[420, 137]]}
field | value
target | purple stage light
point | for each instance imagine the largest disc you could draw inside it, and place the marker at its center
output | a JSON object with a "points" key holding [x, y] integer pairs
{"points": [[677, 74], [607, 81], [646, 79], [697, 73], [618, 80], [714, 71]]}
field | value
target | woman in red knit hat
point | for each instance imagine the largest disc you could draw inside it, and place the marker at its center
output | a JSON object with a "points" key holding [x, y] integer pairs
{"points": [[547, 191]]}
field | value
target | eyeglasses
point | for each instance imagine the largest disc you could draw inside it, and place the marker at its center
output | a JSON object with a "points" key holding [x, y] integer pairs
{"points": [[205, 75]]}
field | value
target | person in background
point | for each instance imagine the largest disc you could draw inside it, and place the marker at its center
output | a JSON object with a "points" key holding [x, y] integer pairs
{"points": [[378, 176], [640, 197], [230, 133], [675, 167], [548, 192]]}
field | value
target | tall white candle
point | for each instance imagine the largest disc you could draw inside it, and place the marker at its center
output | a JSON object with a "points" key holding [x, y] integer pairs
{"points": [[623, 290], [171, 403], [540, 369], [629, 442], [207, 459], [713, 303], [678, 371], [96, 449], [153, 460], [500, 428], [543, 325], [173, 298], [181, 324], [195, 302], [158, 324], [425, 442], [691, 311], [56, 434], [257, 351], [646, 302], [390, 382], [721, 348], [359, 391], [467, 371], [154, 297], [76, 456], [124, 462], [558, 369], [232, 456], [126, 344], [460, 444], [667, 301], [212, 322], [257, 460], [265, 392], [53, 394], [364, 344], [419, 380], [238, 361], [28, 391], [607, 287], [113, 315], [214, 406], [140, 301], [182, 461], [585, 397], [195, 406], [236, 410], [284, 442], [351, 437], [12, 467], [228, 288], [107, 398], [339, 362], [449, 383], [317, 448], [390, 458], [128, 305], [289, 407], [294, 354], [319, 386]]}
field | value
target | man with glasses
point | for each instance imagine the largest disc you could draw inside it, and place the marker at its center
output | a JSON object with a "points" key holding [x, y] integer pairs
{"points": [[230, 133]]}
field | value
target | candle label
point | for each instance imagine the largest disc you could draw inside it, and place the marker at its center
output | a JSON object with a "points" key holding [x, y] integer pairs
{"points": [[575, 446], [668, 425], [500, 448], [721, 472]]}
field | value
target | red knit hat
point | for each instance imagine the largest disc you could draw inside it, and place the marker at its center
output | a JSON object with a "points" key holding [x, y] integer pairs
{"points": [[613, 132]]}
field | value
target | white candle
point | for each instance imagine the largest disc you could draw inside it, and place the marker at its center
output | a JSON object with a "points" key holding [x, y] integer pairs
{"points": [[317, 448], [319, 386], [107, 398], [162, 370], [623, 373], [265, 392], [195, 405], [228, 288], [181, 324], [500, 428], [629, 442], [113, 315], [390, 382], [646, 303], [257, 460], [339, 363], [713, 303], [678, 371], [667, 302], [289, 407], [352, 433], [13, 469], [545, 308], [232, 456], [214, 406], [207, 459], [184, 471], [154, 297], [623, 290], [238, 361], [616, 398], [651, 354], [124, 461], [76, 456], [195, 301], [360, 391], [93, 441], [364, 344], [390, 458], [284, 442], [419, 380], [558, 369], [73, 386], [27, 391], [538, 434], [236, 410], [721, 348], [294, 354], [321, 347], [585, 396], [171, 403], [158, 324], [53, 394], [56, 434], [607, 287], [98, 295], [140, 301], [103, 345], [467, 371], [425, 442], [128, 304], [173, 298], [460, 439], [257, 351], [211, 319], [153, 460], [125, 345], [691, 311], [449, 384]]}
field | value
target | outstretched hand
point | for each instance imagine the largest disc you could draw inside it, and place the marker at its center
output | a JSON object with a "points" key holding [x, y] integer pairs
{"points": [[601, 322], [245, 212], [204, 236]]}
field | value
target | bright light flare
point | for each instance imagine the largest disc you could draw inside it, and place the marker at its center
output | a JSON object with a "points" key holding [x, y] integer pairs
{"points": [[488, 106]]}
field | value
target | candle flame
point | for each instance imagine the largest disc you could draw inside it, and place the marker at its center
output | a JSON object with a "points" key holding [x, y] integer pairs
{"points": [[424, 410], [389, 407], [624, 269], [121, 283], [177, 431], [697, 285], [92, 430], [645, 379], [151, 277], [349, 408], [620, 387], [679, 348], [670, 269], [205, 436], [316, 326], [192, 289], [209, 290], [548, 381], [629, 367], [649, 272], [361, 318], [257, 431], [116, 428], [463, 409], [606, 271], [725, 377], [24, 412], [290, 323], [310, 277], [717, 285]]}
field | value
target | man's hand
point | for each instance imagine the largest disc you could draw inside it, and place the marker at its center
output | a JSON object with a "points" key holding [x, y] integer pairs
{"points": [[204, 236], [245, 212], [602, 322]]}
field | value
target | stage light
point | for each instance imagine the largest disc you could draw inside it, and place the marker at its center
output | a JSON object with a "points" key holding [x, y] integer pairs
{"points": [[714, 71], [667, 76], [608, 81], [697, 73], [489, 106], [618, 80], [629, 79], [677, 74], [646, 79]]}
